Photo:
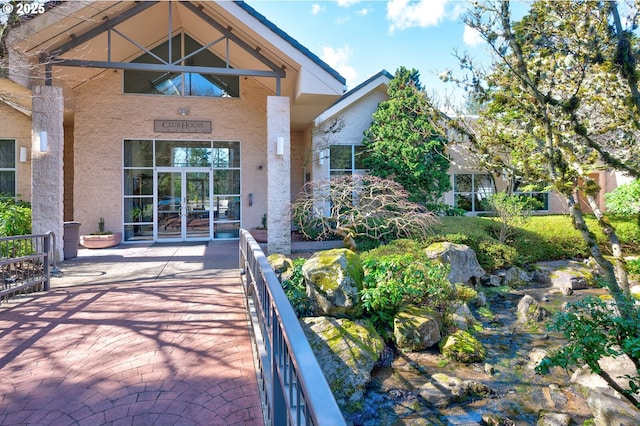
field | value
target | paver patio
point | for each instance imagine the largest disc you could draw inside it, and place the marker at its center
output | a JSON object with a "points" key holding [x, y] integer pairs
{"points": [[170, 350]]}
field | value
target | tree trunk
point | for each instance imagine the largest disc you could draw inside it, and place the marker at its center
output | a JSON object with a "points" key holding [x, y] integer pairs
{"points": [[580, 224], [616, 247]]}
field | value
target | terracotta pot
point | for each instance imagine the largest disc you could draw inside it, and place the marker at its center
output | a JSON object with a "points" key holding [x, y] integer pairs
{"points": [[100, 241]]}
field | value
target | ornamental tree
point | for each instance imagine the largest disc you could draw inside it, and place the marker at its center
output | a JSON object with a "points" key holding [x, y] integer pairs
{"points": [[401, 143], [359, 206], [560, 103]]}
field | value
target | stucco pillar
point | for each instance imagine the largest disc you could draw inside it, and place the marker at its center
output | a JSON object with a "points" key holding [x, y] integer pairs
{"points": [[47, 188], [278, 175]]}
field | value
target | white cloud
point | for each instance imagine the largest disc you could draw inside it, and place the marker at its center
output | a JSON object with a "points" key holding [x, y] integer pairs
{"points": [[347, 3], [337, 58], [403, 14], [364, 11], [471, 36], [316, 8]]}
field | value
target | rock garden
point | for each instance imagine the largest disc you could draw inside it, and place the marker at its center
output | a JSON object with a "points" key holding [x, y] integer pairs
{"points": [[437, 333]]}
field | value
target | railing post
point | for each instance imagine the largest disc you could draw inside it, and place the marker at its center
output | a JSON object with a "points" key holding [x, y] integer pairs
{"points": [[46, 251], [280, 411]]}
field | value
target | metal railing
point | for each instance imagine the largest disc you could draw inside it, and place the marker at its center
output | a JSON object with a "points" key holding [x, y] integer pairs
{"points": [[24, 264], [293, 387]]}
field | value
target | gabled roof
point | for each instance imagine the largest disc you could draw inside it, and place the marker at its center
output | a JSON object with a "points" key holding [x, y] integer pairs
{"points": [[273, 27], [16, 96], [379, 81]]}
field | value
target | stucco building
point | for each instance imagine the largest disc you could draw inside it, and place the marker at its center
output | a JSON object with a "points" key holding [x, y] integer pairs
{"points": [[173, 121]]}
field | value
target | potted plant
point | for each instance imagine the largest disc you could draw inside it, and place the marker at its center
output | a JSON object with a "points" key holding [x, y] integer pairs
{"points": [[100, 239], [260, 233]]}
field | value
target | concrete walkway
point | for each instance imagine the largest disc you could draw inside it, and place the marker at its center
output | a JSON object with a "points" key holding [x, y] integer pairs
{"points": [[144, 335]]}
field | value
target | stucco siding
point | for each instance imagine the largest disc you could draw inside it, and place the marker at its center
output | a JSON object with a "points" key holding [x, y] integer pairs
{"points": [[104, 117]]}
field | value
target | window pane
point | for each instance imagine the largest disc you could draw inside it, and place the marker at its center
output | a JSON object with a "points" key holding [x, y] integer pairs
{"points": [[226, 154], [340, 157], [360, 154], [462, 183], [483, 184], [226, 208], [463, 201], [187, 84], [183, 154], [226, 182], [138, 182], [138, 209], [138, 153], [7, 154]]}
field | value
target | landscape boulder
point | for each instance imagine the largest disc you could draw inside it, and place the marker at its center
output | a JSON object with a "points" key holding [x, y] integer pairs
{"points": [[515, 277], [530, 311], [567, 275], [416, 328], [464, 264], [333, 279], [281, 265], [462, 347], [347, 352]]}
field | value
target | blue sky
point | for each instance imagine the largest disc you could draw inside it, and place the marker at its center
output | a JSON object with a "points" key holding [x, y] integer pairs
{"points": [[360, 38]]}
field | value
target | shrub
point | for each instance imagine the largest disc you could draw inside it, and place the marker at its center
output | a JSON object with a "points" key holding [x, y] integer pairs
{"points": [[394, 281], [15, 217], [295, 290]]}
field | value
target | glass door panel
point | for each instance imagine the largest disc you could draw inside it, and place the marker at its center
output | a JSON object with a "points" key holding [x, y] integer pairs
{"points": [[169, 205], [198, 198]]}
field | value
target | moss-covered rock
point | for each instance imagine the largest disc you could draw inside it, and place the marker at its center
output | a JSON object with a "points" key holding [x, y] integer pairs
{"points": [[416, 328], [334, 279], [281, 265], [347, 352], [463, 347]]}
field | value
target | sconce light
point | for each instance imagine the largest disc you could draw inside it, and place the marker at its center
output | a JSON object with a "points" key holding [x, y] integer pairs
{"points": [[280, 146], [44, 142], [250, 199], [23, 154], [321, 157], [183, 111]]}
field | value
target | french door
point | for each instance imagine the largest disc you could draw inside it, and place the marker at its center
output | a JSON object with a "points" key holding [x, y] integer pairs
{"points": [[183, 204]]}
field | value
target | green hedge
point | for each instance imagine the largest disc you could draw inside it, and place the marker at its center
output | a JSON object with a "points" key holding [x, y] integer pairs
{"points": [[542, 238]]}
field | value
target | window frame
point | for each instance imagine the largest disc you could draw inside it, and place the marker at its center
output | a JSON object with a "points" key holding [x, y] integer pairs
{"points": [[473, 193], [353, 170], [13, 169]]}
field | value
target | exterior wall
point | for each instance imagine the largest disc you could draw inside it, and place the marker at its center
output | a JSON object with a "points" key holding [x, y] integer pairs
{"points": [[356, 120], [299, 150], [16, 125], [104, 117]]}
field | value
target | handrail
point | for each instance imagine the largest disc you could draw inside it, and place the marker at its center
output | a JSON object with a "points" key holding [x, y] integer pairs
{"points": [[294, 389], [24, 264]]}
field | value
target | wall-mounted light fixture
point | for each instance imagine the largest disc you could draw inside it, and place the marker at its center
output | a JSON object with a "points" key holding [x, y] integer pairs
{"points": [[23, 154], [280, 146], [44, 141], [183, 111], [250, 199], [321, 157]]}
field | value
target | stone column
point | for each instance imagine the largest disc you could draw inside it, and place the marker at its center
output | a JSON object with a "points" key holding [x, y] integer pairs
{"points": [[278, 175], [47, 186]]}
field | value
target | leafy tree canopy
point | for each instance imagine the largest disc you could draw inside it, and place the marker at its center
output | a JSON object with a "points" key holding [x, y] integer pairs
{"points": [[402, 144]]}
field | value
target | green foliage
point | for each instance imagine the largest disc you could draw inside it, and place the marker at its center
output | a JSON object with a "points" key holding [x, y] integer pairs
{"points": [[510, 211], [625, 199], [541, 238], [15, 217], [401, 144], [596, 329], [296, 291], [394, 281]]}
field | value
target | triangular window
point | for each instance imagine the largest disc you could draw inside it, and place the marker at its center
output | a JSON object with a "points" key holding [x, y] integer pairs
{"points": [[181, 84]]}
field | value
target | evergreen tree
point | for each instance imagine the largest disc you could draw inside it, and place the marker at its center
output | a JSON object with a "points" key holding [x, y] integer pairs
{"points": [[401, 143]]}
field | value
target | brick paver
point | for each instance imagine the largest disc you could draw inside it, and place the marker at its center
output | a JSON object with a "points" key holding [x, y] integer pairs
{"points": [[169, 352]]}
